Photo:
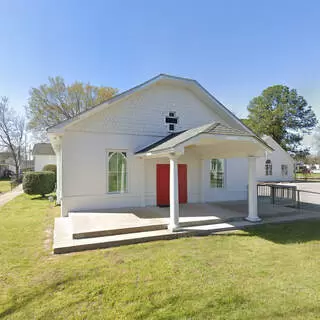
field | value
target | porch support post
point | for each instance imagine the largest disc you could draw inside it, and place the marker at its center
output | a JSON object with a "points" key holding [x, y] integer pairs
{"points": [[202, 180], [252, 191], [174, 194], [56, 144], [142, 188], [58, 162]]}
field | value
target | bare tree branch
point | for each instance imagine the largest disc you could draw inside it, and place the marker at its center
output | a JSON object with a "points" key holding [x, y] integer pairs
{"points": [[12, 131]]}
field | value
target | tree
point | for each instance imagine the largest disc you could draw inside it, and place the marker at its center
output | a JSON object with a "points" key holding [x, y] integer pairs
{"points": [[282, 114], [12, 132], [302, 155], [316, 141], [54, 102]]}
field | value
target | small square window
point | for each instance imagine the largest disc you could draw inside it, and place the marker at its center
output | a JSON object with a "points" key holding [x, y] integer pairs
{"points": [[172, 114], [171, 127]]}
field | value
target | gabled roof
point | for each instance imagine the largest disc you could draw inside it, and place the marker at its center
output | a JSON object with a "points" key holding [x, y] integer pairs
{"points": [[190, 84], [214, 128], [266, 138], [43, 149]]}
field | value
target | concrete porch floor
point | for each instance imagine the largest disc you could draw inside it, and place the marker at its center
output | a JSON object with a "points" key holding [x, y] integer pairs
{"points": [[190, 212], [105, 228], [86, 224]]}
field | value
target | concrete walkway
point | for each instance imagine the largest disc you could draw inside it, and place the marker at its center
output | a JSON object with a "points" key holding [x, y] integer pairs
{"points": [[6, 197]]}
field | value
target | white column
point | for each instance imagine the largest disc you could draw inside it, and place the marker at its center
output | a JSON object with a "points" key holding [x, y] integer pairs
{"points": [[143, 163], [252, 191], [56, 144], [58, 162], [174, 194], [202, 180]]}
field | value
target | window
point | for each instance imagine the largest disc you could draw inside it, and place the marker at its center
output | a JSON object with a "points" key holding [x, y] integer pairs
{"points": [[217, 173], [284, 170], [171, 120], [268, 167], [117, 172]]}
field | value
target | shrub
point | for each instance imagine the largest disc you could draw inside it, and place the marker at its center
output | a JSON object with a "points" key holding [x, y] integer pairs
{"points": [[42, 182], [50, 167]]}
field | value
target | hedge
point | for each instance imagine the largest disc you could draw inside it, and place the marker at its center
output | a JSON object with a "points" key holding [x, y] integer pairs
{"points": [[42, 182], [50, 167]]}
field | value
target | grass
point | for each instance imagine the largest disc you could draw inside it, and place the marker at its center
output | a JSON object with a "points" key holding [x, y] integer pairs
{"points": [[270, 272], [308, 176], [5, 185]]}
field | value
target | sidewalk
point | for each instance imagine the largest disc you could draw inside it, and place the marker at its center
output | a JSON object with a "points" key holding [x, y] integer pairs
{"points": [[6, 197]]}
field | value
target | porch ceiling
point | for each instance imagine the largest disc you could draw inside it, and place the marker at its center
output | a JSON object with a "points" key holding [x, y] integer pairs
{"points": [[213, 140]]}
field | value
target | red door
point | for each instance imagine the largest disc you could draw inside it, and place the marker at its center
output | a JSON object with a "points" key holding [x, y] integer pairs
{"points": [[163, 184]]}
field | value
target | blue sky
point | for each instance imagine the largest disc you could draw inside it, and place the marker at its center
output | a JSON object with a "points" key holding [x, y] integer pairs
{"points": [[233, 48]]}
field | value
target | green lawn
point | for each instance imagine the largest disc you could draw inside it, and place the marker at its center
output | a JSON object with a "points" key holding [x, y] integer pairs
{"points": [[271, 272], [308, 176], [5, 185]]}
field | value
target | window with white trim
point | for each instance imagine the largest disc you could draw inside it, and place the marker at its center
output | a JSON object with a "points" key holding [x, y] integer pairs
{"points": [[284, 170], [117, 174], [217, 174], [268, 167]]}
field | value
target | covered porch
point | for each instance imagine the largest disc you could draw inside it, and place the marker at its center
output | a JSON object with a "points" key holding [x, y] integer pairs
{"points": [[88, 230], [211, 141]]}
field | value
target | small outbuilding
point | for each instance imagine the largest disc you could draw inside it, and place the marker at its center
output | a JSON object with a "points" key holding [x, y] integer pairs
{"points": [[43, 154]]}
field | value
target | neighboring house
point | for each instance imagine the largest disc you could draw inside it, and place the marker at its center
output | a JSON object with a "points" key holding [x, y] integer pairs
{"points": [[165, 141], [43, 154], [275, 166], [7, 163]]}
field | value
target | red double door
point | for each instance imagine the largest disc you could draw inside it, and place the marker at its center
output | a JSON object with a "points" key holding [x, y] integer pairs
{"points": [[163, 184]]}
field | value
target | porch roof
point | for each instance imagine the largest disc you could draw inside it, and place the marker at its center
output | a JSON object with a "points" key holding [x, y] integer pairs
{"points": [[170, 142]]}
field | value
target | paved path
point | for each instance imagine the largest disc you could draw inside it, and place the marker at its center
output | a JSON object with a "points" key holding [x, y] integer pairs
{"points": [[6, 197]]}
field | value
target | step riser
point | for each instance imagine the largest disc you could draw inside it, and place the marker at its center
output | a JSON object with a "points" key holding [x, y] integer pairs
{"points": [[118, 243], [114, 232]]}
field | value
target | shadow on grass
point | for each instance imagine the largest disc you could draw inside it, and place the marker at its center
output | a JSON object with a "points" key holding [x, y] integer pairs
{"points": [[281, 233], [24, 301], [287, 233], [47, 197]]}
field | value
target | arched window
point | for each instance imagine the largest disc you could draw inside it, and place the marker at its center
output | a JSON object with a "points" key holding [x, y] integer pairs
{"points": [[268, 167], [117, 172]]}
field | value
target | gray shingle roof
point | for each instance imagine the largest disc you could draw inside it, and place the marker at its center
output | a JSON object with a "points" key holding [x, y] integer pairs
{"points": [[43, 149], [215, 128]]}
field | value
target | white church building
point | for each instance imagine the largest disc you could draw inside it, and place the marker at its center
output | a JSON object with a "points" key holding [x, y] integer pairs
{"points": [[161, 143]]}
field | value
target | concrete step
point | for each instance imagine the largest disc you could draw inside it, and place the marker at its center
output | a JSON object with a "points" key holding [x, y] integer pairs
{"points": [[118, 231], [74, 245], [64, 243], [184, 222]]}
